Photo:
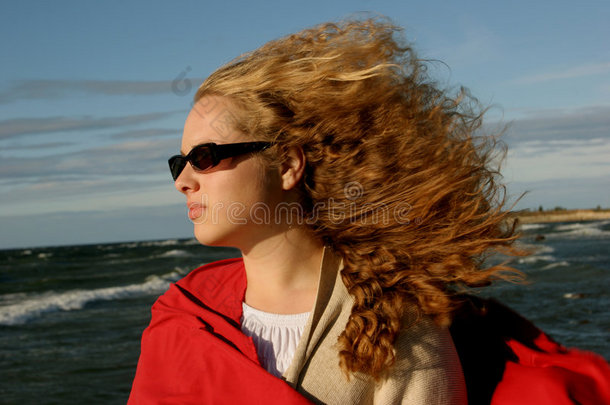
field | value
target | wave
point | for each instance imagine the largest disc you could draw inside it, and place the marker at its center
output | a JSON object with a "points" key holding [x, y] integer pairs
{"points": [[536, 248], [154, 243], [24, 307], [544, 249], [574, 295], [160, 243], [174, 253], [575, 226], [130, 245], [191, 242], [529, 227], [562, 263], [10, 299], [589, 231], [580, 229], [537, 258], [112, 256]]}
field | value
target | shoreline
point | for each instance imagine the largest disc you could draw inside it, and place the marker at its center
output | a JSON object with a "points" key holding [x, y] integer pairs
{"points": [[560, 216]]}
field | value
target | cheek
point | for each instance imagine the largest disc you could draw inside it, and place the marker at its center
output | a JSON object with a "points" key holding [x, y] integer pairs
{"points": [[234, 192], [241, 193]]}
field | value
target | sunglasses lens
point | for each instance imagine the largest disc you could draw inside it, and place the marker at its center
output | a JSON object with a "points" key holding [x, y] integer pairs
{"points": [[201, 158], [176, 165]]}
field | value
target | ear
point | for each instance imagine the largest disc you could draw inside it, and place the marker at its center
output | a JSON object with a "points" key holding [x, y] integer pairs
{"points": [[293, 167]]}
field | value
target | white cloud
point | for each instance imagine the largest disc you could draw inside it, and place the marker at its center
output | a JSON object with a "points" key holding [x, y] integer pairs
{"points": [[555, 125], [54, 89], [569, 73], [77, 195], [24, 126], [538, 161]]}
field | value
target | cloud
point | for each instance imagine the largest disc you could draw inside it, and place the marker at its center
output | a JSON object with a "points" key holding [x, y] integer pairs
{"points": [[127, 158], [573, 147], [536, 161], [48, 145], [82, 194], [570, 73], [26, 126], [146, 133], [576, 125], [54, 89]]}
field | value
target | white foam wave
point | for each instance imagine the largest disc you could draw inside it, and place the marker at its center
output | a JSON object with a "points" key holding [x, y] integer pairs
{"points": [[529, 227], [575, 232], [31, 306], [522, 245], [575, 226], [544, 249], [156, 243], [191, 242], [44, 255], [535, 247], [175, 253], [581, 229], [9, 299], [161, 243], [537, 258], [562, 263], [573, 295], [130, 245]]}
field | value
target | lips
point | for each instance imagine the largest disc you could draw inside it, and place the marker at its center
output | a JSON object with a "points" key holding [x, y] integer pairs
{"points": [[195, 210]]}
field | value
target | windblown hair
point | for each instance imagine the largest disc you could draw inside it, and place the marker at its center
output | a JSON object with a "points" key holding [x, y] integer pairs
{"points": [[397, 180]]}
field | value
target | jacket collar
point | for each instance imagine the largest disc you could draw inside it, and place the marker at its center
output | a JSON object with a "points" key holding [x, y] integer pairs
{"points": [[330, 299]]}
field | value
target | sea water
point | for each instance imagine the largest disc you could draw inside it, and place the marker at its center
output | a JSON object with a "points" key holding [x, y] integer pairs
{"points": [[71, 317]]}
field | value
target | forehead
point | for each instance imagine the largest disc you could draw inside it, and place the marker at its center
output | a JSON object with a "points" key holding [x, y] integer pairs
{"points": [[212, 119]]}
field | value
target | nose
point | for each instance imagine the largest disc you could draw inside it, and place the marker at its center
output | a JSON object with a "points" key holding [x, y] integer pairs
{"points": [[186, 181]]}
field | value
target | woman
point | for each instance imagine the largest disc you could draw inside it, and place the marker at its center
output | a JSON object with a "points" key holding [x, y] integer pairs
{"points": [[361, 202]]}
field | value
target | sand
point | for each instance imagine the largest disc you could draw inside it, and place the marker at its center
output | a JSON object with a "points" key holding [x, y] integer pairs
{"points": [[561, 216]]}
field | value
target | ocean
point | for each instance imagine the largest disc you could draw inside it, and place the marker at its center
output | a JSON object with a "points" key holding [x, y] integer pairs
{"points": [[71, 317]]}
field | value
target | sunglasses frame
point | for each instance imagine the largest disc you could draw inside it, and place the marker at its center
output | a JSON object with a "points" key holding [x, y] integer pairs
{"points": [[217, 153]]}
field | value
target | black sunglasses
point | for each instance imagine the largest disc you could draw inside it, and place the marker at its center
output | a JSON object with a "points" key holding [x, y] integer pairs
{"points": [[208, 155]]}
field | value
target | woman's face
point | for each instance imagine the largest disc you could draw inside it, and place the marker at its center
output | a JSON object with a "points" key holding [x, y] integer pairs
{"points": [[231, 204]]}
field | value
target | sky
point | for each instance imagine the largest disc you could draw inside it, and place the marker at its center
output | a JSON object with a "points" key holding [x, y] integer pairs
{"points": [[93, 97]]}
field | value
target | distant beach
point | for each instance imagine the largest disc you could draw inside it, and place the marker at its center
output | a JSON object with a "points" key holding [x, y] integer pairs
{"points": [[563, 215]]}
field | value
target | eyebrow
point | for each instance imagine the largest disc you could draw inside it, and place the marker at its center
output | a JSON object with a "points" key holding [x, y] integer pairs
{"points": [[199, 144], [184, 154]]}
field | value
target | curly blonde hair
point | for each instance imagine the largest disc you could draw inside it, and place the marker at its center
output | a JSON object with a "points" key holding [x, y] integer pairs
{"points": [[415, 199]]}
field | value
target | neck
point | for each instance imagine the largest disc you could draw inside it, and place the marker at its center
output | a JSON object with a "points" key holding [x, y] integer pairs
{"points": [[283, 272]]}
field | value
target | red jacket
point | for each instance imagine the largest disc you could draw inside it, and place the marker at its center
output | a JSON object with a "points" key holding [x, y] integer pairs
{"points": [[193, 351], [507, 360]]}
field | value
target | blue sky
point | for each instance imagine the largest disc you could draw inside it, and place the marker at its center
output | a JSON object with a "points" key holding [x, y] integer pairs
{"points": [[93, 96]]}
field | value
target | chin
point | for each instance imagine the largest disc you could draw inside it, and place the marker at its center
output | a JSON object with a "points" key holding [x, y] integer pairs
{"points": [[209, 236]]}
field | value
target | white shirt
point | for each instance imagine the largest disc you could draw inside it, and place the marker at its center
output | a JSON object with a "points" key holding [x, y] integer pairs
{"points": [[275, 336]]}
